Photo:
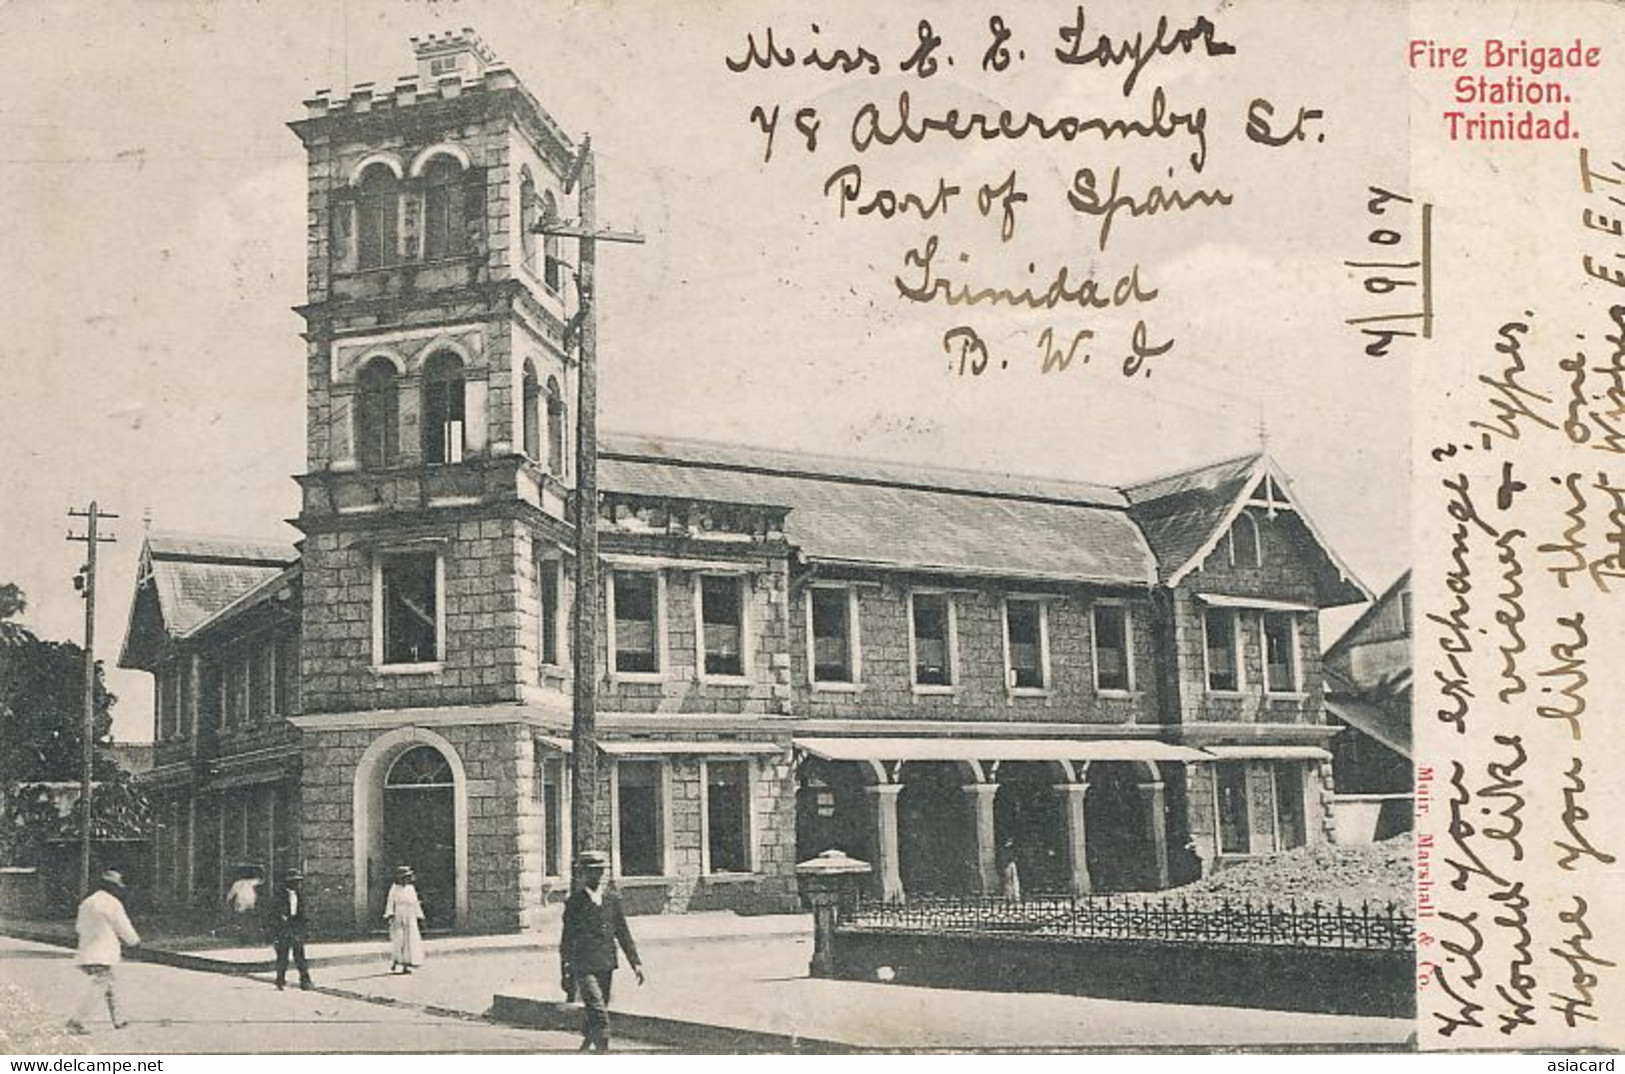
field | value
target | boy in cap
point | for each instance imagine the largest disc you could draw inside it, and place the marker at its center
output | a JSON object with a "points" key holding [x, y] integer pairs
{"points": [[290, 917], [594, 923], [103, 929]]}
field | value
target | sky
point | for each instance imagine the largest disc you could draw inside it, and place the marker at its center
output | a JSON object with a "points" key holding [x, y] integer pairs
{"points": [[151, 359]]}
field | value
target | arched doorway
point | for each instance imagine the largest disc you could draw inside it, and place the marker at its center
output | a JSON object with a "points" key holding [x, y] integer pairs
{"points": [[1028, 825], [420, 829], [1120, 852], [935, 836], [385, 799]]}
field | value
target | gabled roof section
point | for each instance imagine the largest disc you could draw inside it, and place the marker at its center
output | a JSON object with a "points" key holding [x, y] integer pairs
{"points": [[184, 580], [1382, 715], [1185, 515], [899, 516], [1368, 627]]}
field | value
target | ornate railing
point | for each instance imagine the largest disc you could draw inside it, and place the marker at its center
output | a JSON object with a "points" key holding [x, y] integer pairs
{"points": [[1204, 922]]}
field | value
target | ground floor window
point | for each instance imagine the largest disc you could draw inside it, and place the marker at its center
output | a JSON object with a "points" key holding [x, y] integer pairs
{"points": [[1235, 831], [553, 815], [727, 814], [1289, 812], [639, 816]]}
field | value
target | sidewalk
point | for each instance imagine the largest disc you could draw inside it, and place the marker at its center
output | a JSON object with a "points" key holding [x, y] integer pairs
{"points": [[723, 983]]}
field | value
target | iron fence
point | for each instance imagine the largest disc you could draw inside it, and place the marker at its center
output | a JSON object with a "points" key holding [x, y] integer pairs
{"points": [[1137, 918]]}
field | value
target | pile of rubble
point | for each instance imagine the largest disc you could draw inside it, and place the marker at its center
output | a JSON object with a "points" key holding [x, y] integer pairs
{"points": [[1377, 874]]}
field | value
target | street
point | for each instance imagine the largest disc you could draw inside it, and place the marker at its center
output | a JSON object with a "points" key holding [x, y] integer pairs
{"points": [[183, 1011]]}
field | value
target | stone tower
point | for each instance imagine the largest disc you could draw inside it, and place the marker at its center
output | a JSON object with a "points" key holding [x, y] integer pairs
{"points": [[434, 495]]}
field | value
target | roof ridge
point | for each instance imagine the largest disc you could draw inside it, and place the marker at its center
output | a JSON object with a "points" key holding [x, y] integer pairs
{"points": [[1172, 475], [1090, 493]]}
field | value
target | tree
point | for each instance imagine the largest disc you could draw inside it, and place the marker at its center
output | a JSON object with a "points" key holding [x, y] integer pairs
{"points": [[41, 721]]}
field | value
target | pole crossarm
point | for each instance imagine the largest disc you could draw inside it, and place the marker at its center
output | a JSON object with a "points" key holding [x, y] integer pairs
{"points": [[91, 539]]}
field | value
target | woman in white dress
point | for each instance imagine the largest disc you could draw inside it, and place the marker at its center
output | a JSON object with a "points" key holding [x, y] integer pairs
{"points": [[404, 912]]}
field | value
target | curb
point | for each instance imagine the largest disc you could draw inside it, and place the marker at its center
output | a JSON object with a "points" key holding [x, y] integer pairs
{"points": [[694, 1038]]}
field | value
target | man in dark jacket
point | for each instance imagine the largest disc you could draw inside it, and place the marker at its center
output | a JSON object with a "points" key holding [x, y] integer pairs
{"points": [[289, 918], [593, 924]]}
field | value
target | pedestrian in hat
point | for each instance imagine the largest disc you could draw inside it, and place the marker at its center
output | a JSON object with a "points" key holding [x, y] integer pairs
{"points": [[103, 929], [594, 923], [404, 912], [290, 927]]}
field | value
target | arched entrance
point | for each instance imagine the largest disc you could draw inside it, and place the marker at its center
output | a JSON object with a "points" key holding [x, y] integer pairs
{"points": [[935, 835], [411, 807], [1028, 825], [420, 829], [1120, 852]]}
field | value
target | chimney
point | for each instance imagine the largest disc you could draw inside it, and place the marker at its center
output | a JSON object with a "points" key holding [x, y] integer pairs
{"points": [[456, 54]]}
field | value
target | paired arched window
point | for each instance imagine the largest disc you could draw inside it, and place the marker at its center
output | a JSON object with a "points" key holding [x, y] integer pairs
{"points": [[556, 414], [377, 415], [528, 210], [551, 266], [443, 416], [450, 206], [377, 217], [532, 414]]}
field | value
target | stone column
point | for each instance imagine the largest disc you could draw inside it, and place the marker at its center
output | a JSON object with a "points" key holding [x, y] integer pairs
{"points": [[1073, 820], [884, 797], [1151, 793], [980, 797]]}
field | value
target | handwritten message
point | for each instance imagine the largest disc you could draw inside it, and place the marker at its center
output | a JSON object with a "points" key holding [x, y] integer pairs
{"points": [[975, 221], [1514, 884]]}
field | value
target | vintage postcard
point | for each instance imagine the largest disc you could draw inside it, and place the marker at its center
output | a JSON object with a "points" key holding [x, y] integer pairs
{"points": [[774, 527]]}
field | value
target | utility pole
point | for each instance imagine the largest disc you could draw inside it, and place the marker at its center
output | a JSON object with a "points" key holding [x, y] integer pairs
{"points": [[584, 717], [87, 582]]}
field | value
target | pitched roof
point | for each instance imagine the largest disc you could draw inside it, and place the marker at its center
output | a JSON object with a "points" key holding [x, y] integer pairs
{"points": [[1361, 628], [187, 579], [1179, 513], [1386, 719], [896, 515]]}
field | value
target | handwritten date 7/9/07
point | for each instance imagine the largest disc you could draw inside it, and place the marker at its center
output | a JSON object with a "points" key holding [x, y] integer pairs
{"points": [[968, 354]]}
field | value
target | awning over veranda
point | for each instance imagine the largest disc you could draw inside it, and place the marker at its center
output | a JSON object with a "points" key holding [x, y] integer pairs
{"points": [[996, 749]]}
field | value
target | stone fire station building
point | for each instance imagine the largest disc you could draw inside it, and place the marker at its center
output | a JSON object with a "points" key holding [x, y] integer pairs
{"points": [[934, 670]]}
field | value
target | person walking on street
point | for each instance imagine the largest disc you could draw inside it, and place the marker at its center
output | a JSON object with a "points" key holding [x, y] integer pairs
{"points": [[404, 912], [104, 928], [289, 926], [594, 923]]}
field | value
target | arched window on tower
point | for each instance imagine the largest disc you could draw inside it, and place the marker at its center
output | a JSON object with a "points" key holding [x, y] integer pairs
{"points": [[377, 415], [377, 210], [532, 414], [528, 209], [443, 408], [551, 266], [556, 415], [450, 205]]}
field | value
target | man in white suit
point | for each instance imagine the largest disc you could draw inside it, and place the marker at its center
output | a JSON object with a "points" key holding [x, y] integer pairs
{"points": [[103, 928]]}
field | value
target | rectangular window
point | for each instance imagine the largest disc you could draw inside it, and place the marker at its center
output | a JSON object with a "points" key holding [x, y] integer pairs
{"points": [[261, 659], [1223, 660], [1289, 817], [933, 659], [638, 814], [832, 635], [1024, 624], [1280, 653], [1113, 663], [553, 815], [547, 583], [1234, 828], [168, 719], [727, 816], [722, 619], [236, 685], [637, 622], [410, 594], [287, 673]]}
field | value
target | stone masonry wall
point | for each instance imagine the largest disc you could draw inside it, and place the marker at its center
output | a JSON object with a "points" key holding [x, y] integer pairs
{"points": [[1286, 575], [886, 689]]}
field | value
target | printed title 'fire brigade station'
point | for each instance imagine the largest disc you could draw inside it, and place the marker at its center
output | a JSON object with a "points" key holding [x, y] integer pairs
{"points": [[932, 670]]}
